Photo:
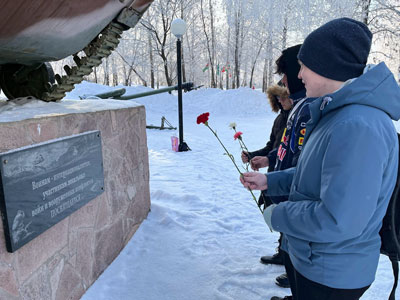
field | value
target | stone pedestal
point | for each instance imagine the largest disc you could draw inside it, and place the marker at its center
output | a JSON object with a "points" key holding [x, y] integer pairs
{"points": [[65, 260]]}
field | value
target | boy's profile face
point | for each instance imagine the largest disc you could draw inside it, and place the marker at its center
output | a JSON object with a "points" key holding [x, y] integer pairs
{"points": [[316, 85]]}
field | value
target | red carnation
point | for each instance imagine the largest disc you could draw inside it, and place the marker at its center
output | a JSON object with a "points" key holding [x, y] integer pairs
{"points": [[238, 135], [203, 118]]}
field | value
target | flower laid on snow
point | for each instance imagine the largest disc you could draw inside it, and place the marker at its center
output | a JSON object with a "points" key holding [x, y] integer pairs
{"points": [[238, 135], [203, 118]]}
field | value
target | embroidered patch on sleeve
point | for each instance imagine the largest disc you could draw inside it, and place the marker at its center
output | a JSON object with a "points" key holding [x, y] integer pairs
{"points": [[285, 140], [283, 135], [281, 153]]}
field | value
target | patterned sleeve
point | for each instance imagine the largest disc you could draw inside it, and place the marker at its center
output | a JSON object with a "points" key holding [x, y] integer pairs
{"points": [[297, 138]]}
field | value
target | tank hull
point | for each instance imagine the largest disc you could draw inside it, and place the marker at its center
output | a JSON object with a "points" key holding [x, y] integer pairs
{"points": [[39, 31]]}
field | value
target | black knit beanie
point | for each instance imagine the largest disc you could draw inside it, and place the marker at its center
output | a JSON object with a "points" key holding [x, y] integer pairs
{"points": [[337, 50], [287, 64]]}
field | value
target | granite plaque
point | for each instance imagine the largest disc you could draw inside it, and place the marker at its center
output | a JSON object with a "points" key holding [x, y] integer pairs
{"points": [[44, 183]]}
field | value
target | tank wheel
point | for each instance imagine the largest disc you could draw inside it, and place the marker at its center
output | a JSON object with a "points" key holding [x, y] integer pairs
{"points": [[21, 81]]}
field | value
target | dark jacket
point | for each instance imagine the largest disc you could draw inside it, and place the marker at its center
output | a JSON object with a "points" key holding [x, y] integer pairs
{"points": [[279, 123], [291, 144], [287, 151], [285, 156]]}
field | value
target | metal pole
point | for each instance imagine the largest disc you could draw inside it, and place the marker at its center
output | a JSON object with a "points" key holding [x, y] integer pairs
{"points": [[182, 145]]}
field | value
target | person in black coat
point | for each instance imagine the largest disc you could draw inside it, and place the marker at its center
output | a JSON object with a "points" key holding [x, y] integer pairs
{"points": [[280, 102]]}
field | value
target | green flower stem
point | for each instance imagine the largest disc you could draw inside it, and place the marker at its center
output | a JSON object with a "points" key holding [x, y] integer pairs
{"points": [[242, 144], [226, 150], [255, 200], [230, 156], [243, 147]]}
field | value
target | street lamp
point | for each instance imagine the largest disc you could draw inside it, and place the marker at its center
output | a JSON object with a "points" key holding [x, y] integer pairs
{"points": [[178, 28]]}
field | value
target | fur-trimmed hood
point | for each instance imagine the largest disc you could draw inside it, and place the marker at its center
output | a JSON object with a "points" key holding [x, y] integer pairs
{"points": [[276, 91]]}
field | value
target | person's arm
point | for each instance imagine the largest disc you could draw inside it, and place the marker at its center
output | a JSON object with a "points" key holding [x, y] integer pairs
{"points": [[272, 157], [270, 144], [279, 182], [296, 142], [260, 152], [351, 176]]}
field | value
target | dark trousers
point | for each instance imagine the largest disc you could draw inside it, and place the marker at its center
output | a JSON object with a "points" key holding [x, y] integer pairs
{"points": [[264, 199], [305, 289]]}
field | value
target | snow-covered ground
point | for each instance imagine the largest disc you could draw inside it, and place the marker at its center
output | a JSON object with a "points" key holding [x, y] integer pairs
{"points": [[204, 235]]}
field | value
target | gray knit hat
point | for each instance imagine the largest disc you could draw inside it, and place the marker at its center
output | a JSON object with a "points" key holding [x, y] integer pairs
{"points": [[337, 50]]}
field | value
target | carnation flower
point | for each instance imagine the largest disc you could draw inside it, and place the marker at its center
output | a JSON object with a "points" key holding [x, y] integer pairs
{"points": [[238, 135], [203, 118], [232, 125]]}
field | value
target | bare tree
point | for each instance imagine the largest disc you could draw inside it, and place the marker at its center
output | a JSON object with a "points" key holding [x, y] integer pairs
{"points": [[159, 27], [131, 69], [151, 59], [365, 8], [227, 66], [237, 47], [210, 39], [243, 38], [383, 19], [254, 63]]}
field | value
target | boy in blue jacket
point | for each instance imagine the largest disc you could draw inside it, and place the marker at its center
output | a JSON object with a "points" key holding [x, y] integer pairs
{"points": [[346, 172]]}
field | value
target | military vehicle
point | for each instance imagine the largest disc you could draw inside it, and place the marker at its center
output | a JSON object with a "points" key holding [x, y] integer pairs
{"points": [[32, 33]]}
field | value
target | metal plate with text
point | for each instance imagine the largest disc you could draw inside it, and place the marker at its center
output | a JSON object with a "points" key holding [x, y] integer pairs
{"points": [[44, 183]]}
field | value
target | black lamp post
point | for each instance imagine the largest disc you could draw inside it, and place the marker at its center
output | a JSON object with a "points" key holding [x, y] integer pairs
{"points": [[178, 28]]}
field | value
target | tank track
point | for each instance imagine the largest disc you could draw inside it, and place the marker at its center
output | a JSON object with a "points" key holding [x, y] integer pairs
{"points": [[101, 47]]}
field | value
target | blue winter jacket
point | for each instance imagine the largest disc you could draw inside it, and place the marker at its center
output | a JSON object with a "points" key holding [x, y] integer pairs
{"points": [[342, 184]]}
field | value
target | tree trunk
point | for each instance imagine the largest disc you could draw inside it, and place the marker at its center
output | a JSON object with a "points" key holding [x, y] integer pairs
{"points": [[284, 33], [265, 76], [238, 45], [166, 70], [270, 72], [236, 67], [254, 64], [95, 74], [183, 70], [106, 72], [213, 46], [227, 67], [365, 5], [114, 71], [151, 60], [209, 46], [270, 61]]}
